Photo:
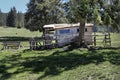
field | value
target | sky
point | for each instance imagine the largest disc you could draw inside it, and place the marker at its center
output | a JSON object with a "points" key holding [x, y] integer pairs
{"points": [[20, 5]]}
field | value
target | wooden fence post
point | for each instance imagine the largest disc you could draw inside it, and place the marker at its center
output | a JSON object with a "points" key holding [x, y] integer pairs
{"points": [[94, 39]]}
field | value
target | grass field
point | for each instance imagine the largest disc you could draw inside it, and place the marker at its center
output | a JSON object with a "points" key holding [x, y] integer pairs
{"points": [[115, 39], [23, 35], [57, 64], [10, 32], [14, 34]]}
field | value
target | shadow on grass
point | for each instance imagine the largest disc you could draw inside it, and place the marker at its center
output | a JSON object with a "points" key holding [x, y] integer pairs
{"points": [[56, 63], [14, 38]]}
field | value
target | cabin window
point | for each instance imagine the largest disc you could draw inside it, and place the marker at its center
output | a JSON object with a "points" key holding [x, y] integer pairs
{"points": [[64, 31], [77, 30], [86, 30]]}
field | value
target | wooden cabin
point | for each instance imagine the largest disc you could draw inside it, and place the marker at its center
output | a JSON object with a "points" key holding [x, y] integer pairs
{"points": [[62, 34]]}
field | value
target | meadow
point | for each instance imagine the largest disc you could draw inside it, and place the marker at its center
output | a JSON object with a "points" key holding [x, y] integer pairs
{"points": [[22, 32], [56, 64], [13, 34]]}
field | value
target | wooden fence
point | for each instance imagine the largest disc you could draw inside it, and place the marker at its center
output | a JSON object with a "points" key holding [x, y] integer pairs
{"points": [[104, 39]]}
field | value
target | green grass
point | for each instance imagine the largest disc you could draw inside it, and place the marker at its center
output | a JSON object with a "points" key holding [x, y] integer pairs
{"points": [[115, 40], [57, 64], [14, 34], [10, 32], [23, 35]]}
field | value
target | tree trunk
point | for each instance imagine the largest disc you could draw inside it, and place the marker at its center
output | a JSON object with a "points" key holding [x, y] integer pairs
{"points": [[81, 31]]}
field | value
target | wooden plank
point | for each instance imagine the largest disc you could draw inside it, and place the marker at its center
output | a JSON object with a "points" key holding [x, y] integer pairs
{"points": [[11, 44]]}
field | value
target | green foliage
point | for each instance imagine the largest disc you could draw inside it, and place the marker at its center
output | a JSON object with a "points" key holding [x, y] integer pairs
{"points": [[83, 11], [41, 12], [2, 19], [106, 12], [12, 17], [20, 20], [113, 14], [96, 16], [107, 20]]}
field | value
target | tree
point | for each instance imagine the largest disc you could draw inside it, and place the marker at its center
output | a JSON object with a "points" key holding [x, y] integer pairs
{"points": [[111, 14], [4, 19], [20, 19], [12, 17], [114, 13], [82, 11], [1, 18], [41, 12]]}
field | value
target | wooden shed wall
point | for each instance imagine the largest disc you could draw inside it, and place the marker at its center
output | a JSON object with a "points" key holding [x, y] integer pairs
{"points": [[63, 39]]}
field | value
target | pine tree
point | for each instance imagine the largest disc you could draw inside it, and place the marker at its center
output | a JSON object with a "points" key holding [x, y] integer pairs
{"points": [[1, 18], [9, 19], [41, 12], [12, 18], [20, 19]]}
